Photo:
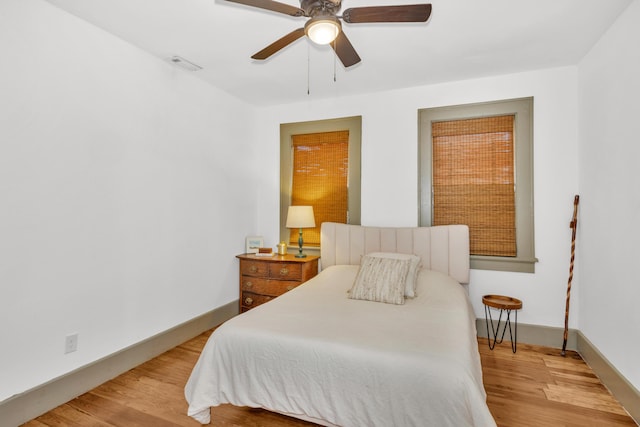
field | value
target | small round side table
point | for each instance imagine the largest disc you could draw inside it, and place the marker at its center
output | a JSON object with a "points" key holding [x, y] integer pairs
{"points": [[502, 303]]}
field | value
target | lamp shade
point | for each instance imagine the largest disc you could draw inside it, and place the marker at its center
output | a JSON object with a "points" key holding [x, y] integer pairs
{"points": [[300, 217]]}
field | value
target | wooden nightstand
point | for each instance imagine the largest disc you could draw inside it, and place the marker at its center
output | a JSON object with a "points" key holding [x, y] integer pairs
{"points": [[264, 278]]}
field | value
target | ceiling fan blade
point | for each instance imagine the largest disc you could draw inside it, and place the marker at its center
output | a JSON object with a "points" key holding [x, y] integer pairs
{"points": [[345, 51], [279, 44], [273, 6], [404, 13]]}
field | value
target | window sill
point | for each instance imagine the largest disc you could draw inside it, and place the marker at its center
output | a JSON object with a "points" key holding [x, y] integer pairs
{"points": [[513, 264]]}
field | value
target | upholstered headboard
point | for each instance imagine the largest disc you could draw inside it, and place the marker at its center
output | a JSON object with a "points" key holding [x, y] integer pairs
{"points": [[442, 248]]}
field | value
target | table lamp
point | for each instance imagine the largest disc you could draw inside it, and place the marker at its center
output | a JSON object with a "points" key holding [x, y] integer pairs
{"points": [[300, 217]]}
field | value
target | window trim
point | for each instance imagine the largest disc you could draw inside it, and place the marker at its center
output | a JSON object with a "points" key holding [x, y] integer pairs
{"points": [[287, 130], [523, 136]]}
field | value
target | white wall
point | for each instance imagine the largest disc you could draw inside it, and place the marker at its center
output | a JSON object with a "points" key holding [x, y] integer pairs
{"points": [[125, 192], [610, 194], [390, 177]]}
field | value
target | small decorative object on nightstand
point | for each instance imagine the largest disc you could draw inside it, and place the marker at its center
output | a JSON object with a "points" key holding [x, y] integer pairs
{"points": [[265, 278], [282, 248], [253, 244], [502, 303]]}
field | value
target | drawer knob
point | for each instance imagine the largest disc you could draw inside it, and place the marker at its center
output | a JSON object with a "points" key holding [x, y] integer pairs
{"points": [[253, 269], [290, 287], [248, 301], [248, 284], [284, 271]]}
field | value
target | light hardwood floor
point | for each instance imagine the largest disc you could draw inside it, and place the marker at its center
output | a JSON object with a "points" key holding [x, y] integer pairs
{"points": [[534, 387]]}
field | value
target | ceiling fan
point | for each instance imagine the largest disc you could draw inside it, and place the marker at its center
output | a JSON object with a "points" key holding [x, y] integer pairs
{"points": [[324, 27]]}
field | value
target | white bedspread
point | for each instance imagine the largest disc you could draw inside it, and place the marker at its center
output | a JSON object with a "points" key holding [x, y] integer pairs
{"points": [[315, 354]]}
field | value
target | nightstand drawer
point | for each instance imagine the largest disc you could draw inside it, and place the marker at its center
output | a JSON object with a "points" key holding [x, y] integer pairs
{"points": [[250, 300], [267, 286], [285, 271], [254, 268]]}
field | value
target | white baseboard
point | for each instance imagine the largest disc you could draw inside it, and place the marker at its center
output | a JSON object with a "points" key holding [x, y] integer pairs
{"points": [[548, 336], [534, 334], [617, 384], [32, 403]]}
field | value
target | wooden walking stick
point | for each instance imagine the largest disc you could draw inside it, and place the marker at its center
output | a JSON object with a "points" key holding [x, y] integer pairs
{"points": [[573, 224]]}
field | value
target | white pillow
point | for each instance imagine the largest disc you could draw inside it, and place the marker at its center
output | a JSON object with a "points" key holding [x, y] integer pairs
{"points": [[410, 284], [381, 279]]}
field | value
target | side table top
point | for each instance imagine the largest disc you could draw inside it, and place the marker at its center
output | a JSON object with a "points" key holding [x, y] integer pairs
{"points": [[278, 258], [502, 302]]}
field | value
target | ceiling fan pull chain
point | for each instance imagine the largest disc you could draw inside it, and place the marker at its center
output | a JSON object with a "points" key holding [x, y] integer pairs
{"points": [[308, 68], [334, 67]]}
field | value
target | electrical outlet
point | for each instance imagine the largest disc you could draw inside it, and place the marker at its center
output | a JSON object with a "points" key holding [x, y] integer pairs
{"points": [[70, 343]]}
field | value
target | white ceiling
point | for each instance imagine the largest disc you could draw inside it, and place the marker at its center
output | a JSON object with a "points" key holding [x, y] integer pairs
{"points": [[462, 39]]}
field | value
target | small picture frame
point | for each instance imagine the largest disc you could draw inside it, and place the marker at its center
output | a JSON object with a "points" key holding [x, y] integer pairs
{"points": [[253, 244]]}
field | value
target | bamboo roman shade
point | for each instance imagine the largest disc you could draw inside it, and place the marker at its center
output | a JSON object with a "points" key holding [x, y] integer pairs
{"points": [[473, 181], [320, 179]]}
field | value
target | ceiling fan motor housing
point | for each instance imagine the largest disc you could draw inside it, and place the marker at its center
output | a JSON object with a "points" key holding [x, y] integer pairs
{"points": [[320, 7]]}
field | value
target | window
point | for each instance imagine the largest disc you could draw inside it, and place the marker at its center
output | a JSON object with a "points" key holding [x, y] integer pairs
{"points": [[320, 166], [320, 179], [476, 168]]}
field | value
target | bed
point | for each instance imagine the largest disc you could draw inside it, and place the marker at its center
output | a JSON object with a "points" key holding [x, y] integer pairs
{"points": [[318, 354]]}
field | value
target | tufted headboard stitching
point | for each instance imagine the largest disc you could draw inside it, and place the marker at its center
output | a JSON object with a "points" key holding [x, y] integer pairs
{"points": [[443, 248]]}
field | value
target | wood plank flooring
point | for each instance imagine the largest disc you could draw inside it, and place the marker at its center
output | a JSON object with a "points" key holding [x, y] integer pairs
{"points": [[537, 386], [534, 387]]}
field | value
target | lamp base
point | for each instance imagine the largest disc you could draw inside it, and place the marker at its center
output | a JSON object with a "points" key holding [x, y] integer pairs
{"points": [[300, 242]]}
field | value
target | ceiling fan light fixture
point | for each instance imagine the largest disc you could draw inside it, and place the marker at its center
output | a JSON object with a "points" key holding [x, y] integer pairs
{"points": [[322, 30]]}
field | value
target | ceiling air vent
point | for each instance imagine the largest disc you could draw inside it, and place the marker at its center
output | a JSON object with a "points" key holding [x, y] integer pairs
{"points": [[183, 63]]}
